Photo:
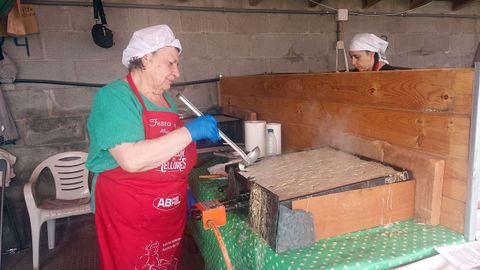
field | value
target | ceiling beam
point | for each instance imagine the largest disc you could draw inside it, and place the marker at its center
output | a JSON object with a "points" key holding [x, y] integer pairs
{"points": [[418, 3], [369, 3], [313, 4], [459, 4], [253, 2]]}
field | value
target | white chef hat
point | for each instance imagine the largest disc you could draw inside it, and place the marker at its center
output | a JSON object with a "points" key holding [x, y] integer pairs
{"points": [[370, 42], [147, 40]]}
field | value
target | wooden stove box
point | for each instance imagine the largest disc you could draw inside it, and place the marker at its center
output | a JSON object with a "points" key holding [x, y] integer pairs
{"points": [[299, 198]]}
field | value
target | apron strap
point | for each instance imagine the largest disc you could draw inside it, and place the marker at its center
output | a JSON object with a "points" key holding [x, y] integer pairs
{"points": [[135, 91]]}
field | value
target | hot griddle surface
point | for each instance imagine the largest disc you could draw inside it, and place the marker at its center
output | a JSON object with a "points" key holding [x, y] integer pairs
{"points": [[310, 172]]}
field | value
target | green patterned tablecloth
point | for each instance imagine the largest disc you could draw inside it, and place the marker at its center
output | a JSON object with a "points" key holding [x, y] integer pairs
{"points": [[378, 248]]}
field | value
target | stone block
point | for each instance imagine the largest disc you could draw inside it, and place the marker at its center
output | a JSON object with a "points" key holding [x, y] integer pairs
{"points": [[117, 19], [202, 95], [198, 69], [276, 45], [29, 157], [322, 23], [62, 70], [71, 101], [286, 65], [241, 23], [211, 22], [27, 104], [404, 43], [137, 19], [69, 45], [399, 60], [168, 17], [317, 45], [193, 45], [359, 24], [289, 23], [228, 45], [463, 44], [318, 64], [436, 42], [100, 71], [222, 66], [249, 66], [83, 18], [54, 17], [421, 25], [17, 53], [64, 130], [393, 25]]}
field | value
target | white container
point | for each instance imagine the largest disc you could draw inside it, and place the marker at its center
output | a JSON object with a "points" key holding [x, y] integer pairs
{"points": [[277, 131], [255, 136], [271, 143]]}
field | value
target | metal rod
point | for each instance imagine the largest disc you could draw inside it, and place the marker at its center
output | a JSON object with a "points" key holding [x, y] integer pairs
{"points": [[243, 10], [97, 85], [473, 162], [3, 174], [222, 135]]}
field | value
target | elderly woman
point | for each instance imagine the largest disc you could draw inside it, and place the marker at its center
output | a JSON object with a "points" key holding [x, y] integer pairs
{"points": [[141, 154], [368, 53]]}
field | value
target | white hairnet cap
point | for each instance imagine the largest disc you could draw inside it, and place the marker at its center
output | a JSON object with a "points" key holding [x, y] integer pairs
{"points": [[147, 40], [370, 42]]}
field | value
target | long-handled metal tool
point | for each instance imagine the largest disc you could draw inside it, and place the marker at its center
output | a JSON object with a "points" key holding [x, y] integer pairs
{"points": [[247, 159]]}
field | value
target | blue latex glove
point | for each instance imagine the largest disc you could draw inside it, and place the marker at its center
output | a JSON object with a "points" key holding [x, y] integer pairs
{"points": [[203, 127], [191, 201]]}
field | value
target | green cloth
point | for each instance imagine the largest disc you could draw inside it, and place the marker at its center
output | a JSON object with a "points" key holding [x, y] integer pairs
{"points": [[382, 247], [116, 118]]}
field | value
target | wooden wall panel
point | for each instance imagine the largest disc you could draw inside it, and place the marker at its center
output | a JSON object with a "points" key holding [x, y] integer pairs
{"points": [[445, 90], [441, 134], [453, 214], [333, 213], [425, 110]]}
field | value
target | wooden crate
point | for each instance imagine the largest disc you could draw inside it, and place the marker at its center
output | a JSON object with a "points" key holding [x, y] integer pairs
{"points": [[299, 198]]}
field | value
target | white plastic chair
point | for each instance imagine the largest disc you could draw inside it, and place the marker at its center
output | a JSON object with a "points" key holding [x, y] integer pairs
{"points": [[72, 196]]}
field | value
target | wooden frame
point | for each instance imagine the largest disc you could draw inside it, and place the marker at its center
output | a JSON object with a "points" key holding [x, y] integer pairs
{"points": [[423, 110]]}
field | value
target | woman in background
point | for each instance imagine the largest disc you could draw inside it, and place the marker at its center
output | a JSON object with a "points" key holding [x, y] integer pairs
{"points": [[368, 53]]}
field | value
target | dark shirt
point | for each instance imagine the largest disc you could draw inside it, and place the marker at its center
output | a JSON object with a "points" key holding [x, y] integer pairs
{"points": [[388, 67]]}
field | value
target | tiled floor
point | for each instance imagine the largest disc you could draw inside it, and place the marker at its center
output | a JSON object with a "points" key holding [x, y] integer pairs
{"points": [[77, 249]]}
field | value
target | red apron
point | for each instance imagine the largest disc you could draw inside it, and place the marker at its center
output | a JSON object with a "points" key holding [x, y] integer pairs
{"points": [[140, 217]]}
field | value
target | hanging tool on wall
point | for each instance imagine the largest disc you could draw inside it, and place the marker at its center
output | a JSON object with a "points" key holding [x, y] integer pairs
{"points": [[102, 36], [342, 15]]}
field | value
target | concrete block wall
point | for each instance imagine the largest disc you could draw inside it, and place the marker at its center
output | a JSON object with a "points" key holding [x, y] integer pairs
{"points": [[52, 118]]}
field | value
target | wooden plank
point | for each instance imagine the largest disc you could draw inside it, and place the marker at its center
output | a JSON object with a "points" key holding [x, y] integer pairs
{"points": [[440, 134], [333, 214], [453, 214], [418, 3], [456, 167], [455, 188], [440, 90], [428, 173], [428, 170], [244, 114], [459, 4], [369, 3]]}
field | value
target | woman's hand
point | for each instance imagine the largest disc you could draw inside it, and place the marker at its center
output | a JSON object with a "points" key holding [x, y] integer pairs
{"points": [[203, 127]]}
